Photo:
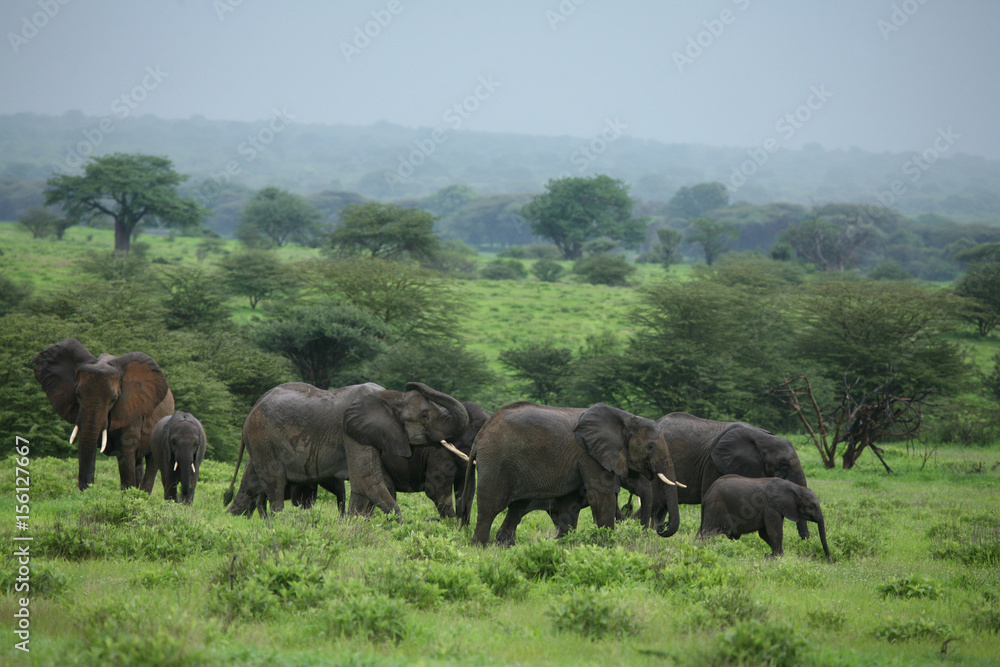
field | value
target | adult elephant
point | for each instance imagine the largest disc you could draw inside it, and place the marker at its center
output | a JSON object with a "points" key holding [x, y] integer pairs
{"points": [[703, 450], [300, 434], [528, 452], [112, 402]]}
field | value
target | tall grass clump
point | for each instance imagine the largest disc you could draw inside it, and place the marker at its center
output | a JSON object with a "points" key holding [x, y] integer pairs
{"points": [[593, 614], [756, 643]]}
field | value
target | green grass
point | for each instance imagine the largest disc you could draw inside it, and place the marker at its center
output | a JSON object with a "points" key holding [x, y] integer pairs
{"points": [[916, 561]]}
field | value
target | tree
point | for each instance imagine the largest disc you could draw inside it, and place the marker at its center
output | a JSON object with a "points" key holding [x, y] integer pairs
{"points": [[576, 210], [666, 250], [547, 270], [42, 222], [714, 237], [254, 273], [193, 299], [836, 237], [279, 216], [385, 231], [448, 200], [545, 366], [414, 302], [322, 340], [696, 200], [980, 291], [129, 189], [505, 268]]}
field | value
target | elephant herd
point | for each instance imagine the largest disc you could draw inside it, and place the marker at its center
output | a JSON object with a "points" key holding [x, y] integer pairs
{"points": [[524, 457]]}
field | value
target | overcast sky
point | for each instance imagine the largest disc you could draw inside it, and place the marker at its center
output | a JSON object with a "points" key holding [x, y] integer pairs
{"points": [[876, 74]]}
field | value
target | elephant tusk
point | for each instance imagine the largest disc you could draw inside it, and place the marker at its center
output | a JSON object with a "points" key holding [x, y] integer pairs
{"points": [[104, 440], [454, 450], [72, 436], [193, 469], [175, 466], [665, 480]]}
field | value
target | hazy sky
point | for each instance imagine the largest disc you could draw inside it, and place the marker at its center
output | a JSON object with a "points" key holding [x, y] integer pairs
{"points": [[876, 74]]}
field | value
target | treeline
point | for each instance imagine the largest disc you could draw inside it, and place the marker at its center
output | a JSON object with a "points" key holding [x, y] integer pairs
{"points": [[223, 155]]}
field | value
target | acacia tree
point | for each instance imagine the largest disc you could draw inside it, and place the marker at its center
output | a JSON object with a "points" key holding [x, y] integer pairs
{"points": [[385, 231], [696, 200], [980, 292], [576, 210], [279, 216], [713, 236], [544, 366], [256, 274], [129, 189]]}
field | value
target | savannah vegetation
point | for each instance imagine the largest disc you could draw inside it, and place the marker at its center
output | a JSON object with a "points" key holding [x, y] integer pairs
{"points": [[122, 577]]}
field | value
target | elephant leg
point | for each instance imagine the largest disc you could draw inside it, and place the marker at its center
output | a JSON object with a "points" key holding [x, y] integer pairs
{"points": [[484, 522], [370, 480], [273, 482], [508, 529], [772, 532], [603, 506], [126, 470], [169, 486], [336, 487], [360, 506], [149, 478]]}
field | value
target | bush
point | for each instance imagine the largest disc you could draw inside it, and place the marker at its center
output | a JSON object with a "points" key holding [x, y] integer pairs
{"points": [[504, 269], [372, 615], [502, 578], [910, 588], [539, 560], [533, 251], [755, 643], [593, 614], [600, 567], [547, 270], [904, 630], [725, 607], [256, 586], [604, 270], [45, 581]]}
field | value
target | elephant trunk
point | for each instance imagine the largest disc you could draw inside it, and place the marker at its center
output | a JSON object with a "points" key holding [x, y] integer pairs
{"points": [[665, 501], [796, 475], [822, 536], [93, 434], [186, 470]]}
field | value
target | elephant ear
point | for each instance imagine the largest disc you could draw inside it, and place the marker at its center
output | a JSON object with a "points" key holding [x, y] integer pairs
{"points": [[601, 431], [371, 421], [55, 369], [782, 495], [143, 388], [736, 453]]}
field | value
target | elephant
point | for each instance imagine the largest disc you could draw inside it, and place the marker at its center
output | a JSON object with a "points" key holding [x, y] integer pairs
{"points": [[177, 446], [704, 450], [251, 496], [112, 402], [527, 452], [300, 434], [735, 506]]}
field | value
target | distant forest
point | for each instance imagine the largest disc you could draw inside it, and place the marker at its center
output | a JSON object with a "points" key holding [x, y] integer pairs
{"points": [[336, 165]]}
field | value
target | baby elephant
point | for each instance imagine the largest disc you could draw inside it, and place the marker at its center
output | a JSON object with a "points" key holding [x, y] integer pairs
{"points": [[177, 445], [736, 505]]}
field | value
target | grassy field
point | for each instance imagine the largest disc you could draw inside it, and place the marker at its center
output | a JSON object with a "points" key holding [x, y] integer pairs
{"points": [[122, 578]]}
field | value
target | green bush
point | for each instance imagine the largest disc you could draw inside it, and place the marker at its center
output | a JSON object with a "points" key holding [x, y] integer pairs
{"points": [[909, 588], [257, 585], [593, 614], [405, 581], [904, 630], [756, 643], [601, 567], [692, 570], [375, 616], [604, 269], [986, 619], [539, 560], [547, 270], [725, 607], [502, 577], [43, 580], [504, 269]]}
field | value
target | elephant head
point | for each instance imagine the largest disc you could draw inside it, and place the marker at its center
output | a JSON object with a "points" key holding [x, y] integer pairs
{"points": [[753, 452], [98, 395], [798, 504], [392, 421], [622, 442], [185, 442]]}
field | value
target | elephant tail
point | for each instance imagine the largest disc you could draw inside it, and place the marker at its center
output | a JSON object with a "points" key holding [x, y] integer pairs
{"points": [[228, 496], [468, 489]]}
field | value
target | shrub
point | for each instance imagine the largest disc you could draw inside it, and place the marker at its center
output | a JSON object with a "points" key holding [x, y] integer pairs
{"points": [[694, 570], [904, 630], [755, 643], [599, 567], [44, 581], [910, 587], [593, 614], [504, 269], [725, 607], [502, 578], [533, 251], [547, 270], [604, 269], [986, 619], [256, 586], [372, 615], [405, 581], [539, 560]]}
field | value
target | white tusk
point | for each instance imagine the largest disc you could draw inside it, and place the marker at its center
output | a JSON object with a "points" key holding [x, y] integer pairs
{"points": [[175, 467], [454, 450], [72, 436], [663, 478], [104, 440], [683, 486], [193, 468]]}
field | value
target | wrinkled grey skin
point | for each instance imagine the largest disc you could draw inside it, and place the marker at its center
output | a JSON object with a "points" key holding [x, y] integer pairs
{"points": [[251, 496], [434, 470], [703, 450], [177, 447], [126, 396], [528, 452], [735, 506], [299, 434]]}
